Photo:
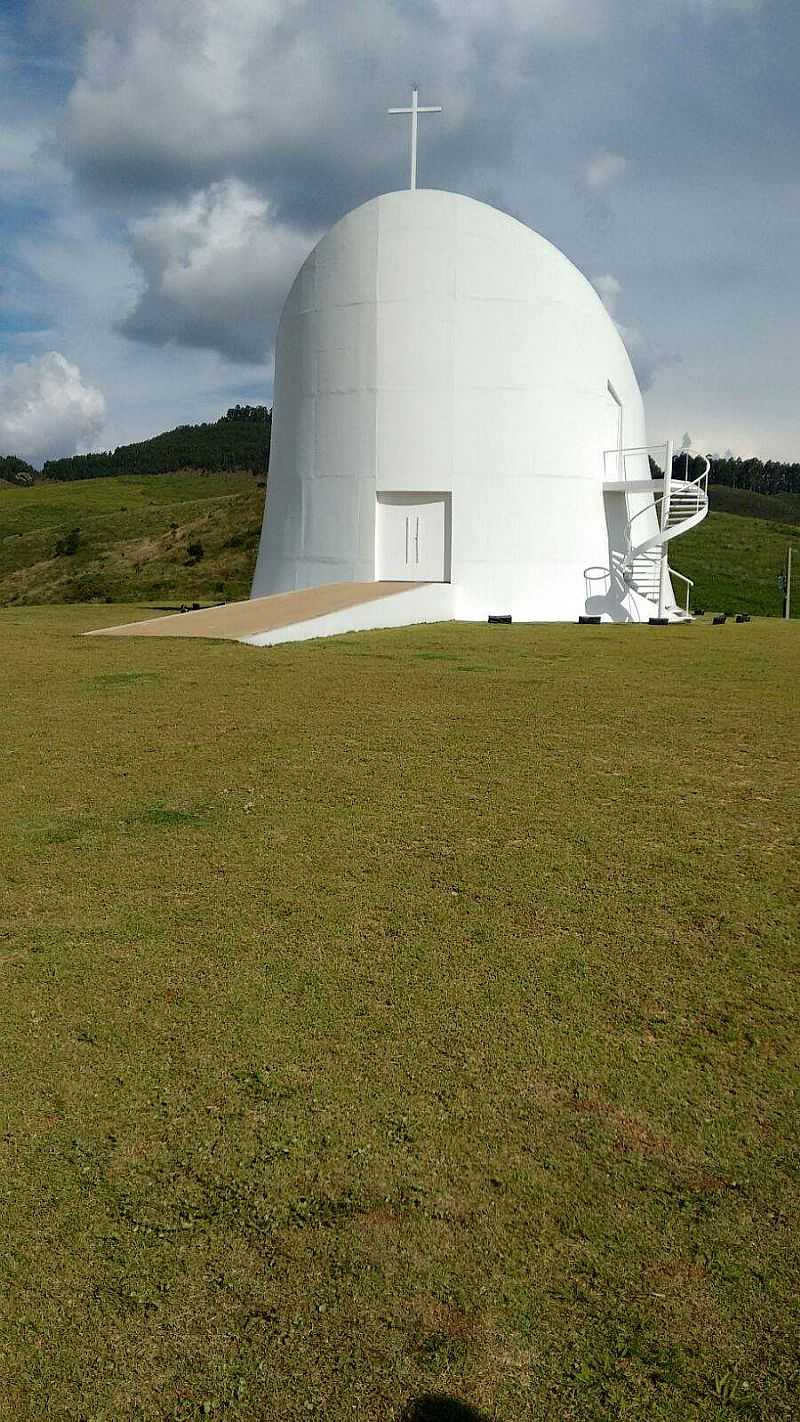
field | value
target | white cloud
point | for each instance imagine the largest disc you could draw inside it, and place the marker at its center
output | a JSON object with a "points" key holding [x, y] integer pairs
{"points": [[46, 410], [647, 357], [604, 169], [228, 133], [171, 96], [608, 289], [17, 149], [216, 269]]}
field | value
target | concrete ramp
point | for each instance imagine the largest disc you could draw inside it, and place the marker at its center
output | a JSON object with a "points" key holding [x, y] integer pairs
{"points": [[296, 616]]}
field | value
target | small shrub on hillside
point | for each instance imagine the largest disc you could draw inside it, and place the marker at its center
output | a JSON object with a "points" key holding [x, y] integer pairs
{"points": [[245, 538], [68, 545], [195, 552]]}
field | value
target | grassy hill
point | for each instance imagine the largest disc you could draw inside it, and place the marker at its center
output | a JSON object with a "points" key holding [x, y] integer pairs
{"points": [[777, 508], [395, 1015], [135, 532], [134, 538], [737, 552]]}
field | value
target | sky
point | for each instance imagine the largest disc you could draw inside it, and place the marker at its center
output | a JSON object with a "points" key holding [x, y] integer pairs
{"points": [[166, 166]]}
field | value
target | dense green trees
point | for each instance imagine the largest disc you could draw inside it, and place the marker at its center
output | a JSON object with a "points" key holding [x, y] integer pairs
{"points": [[15, 470], [772, 477], [239, 440]]}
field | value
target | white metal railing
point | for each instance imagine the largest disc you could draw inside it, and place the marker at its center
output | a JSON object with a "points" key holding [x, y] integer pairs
{"points": [[621, 456], [689, 496], [636, 451], [702, 479], [689, 585]]}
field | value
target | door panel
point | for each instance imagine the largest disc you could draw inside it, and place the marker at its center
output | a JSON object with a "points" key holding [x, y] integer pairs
{"points": [[412, 538]]}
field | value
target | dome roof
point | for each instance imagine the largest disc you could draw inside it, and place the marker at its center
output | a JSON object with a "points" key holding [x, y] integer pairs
{"points": [[409, 245]]}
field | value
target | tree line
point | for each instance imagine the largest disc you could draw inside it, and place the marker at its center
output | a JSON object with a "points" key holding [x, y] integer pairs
{"points": [[756, 475], [240, 439]]}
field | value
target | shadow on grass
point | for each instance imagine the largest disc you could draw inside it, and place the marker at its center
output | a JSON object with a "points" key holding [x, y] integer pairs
{"points": [[439, 1407]]}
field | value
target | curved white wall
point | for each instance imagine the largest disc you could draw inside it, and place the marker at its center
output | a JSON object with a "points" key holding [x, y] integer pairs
{"points": [[433, 344]]}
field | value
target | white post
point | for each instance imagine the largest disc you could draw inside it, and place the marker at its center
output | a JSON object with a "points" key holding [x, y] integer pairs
{"points": [[787, 606], [414, 126], [664, 578]]}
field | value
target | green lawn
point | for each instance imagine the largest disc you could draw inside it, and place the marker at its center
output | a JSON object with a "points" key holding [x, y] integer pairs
{"points": [[408, 1012]]}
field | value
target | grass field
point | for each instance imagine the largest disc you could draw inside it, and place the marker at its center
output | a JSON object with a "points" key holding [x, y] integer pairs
{"points": [[135, 534], [412, 1012]]}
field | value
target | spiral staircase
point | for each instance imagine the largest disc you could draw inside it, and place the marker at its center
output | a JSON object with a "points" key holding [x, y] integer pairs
{"points": [[672, 507]]}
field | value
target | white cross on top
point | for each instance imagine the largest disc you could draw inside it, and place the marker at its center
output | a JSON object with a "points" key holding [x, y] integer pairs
{"points": [[414, 111]]}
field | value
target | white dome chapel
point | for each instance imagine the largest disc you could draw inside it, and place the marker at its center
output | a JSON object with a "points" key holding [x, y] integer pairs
{"points": [[448, 387]]}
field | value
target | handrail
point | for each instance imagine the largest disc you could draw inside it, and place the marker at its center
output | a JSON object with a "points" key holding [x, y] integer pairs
{"points": [[701, 482], [636, 449], [673, 573], [683, 485], [648, 448], [632, 449]]}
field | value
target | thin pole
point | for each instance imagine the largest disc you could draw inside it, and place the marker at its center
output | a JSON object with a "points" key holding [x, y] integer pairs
{"points": [[414, 125], [787, 607], [662, 582]]}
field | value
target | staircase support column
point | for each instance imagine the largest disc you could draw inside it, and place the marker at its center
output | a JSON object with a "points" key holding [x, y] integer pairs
{"points": [[663, 580]]}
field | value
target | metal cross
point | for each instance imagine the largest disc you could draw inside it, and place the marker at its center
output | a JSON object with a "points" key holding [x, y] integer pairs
{"points": [[414, 111]]}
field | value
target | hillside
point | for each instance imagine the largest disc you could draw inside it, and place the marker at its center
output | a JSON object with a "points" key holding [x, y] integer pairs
{"points": [[777, 508], [135, 531], [735, 560], [134, 535]]}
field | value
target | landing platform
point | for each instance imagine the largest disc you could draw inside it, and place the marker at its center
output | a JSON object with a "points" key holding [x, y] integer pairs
{"points": [[281, 617]]}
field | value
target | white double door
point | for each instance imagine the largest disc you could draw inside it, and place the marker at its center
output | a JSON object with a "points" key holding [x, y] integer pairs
{"points": [[411, 537]]}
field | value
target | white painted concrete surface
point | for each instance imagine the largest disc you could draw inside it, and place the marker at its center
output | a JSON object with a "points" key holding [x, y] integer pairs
{"points": [[428, 603], [432, 345]]}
